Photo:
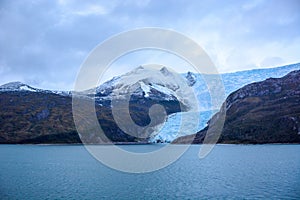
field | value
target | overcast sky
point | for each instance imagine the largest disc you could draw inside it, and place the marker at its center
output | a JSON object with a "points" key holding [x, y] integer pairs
{"points": [[43, 43]]}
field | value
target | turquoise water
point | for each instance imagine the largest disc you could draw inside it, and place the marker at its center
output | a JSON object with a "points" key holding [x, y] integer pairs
{"points": [[228, 172]]}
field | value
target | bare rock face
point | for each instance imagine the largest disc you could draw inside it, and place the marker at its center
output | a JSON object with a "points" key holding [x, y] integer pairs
{"points": [[191, 78], [262, 112]]}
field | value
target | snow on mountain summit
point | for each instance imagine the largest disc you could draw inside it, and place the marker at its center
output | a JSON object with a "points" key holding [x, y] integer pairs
{"points": [[17, 86], [149, 82], [22, 87]]}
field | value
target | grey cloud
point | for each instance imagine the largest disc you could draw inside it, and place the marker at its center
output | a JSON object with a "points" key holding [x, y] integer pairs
{"points": [[45, 42]]}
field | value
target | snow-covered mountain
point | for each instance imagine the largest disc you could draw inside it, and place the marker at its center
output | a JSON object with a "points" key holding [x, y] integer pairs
{"points": [[142, 88], [149, 83], [147, 86]]}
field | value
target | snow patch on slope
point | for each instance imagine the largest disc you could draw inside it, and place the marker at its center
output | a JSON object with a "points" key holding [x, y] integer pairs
{"points": [[163, 89], [25, 87], [145, 88]]}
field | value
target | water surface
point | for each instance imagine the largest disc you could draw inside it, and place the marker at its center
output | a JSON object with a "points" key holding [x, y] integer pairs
{"points": [[229, 171]]}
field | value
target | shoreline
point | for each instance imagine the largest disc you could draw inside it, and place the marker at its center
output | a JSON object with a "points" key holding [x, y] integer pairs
{"points": [[81, 144]]}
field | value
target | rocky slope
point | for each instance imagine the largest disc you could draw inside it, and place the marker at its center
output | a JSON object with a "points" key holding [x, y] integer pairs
{"points": [[36, 117], [262, 112], [40, 117]]}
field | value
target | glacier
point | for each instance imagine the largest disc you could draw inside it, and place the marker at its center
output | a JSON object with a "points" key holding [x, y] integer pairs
{"points": [[231, 81]]}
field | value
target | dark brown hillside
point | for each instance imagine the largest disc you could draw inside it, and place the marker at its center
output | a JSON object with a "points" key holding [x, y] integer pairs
{"points": [[36, 117], [44, 117]]}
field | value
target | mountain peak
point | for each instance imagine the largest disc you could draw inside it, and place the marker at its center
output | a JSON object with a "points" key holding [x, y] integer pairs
{"points": [[16, 86], [140, 67], [12, 84], [164, 70]]}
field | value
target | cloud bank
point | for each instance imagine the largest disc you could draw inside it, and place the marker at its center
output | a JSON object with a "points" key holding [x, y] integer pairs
{"points": [[43, 43]]}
